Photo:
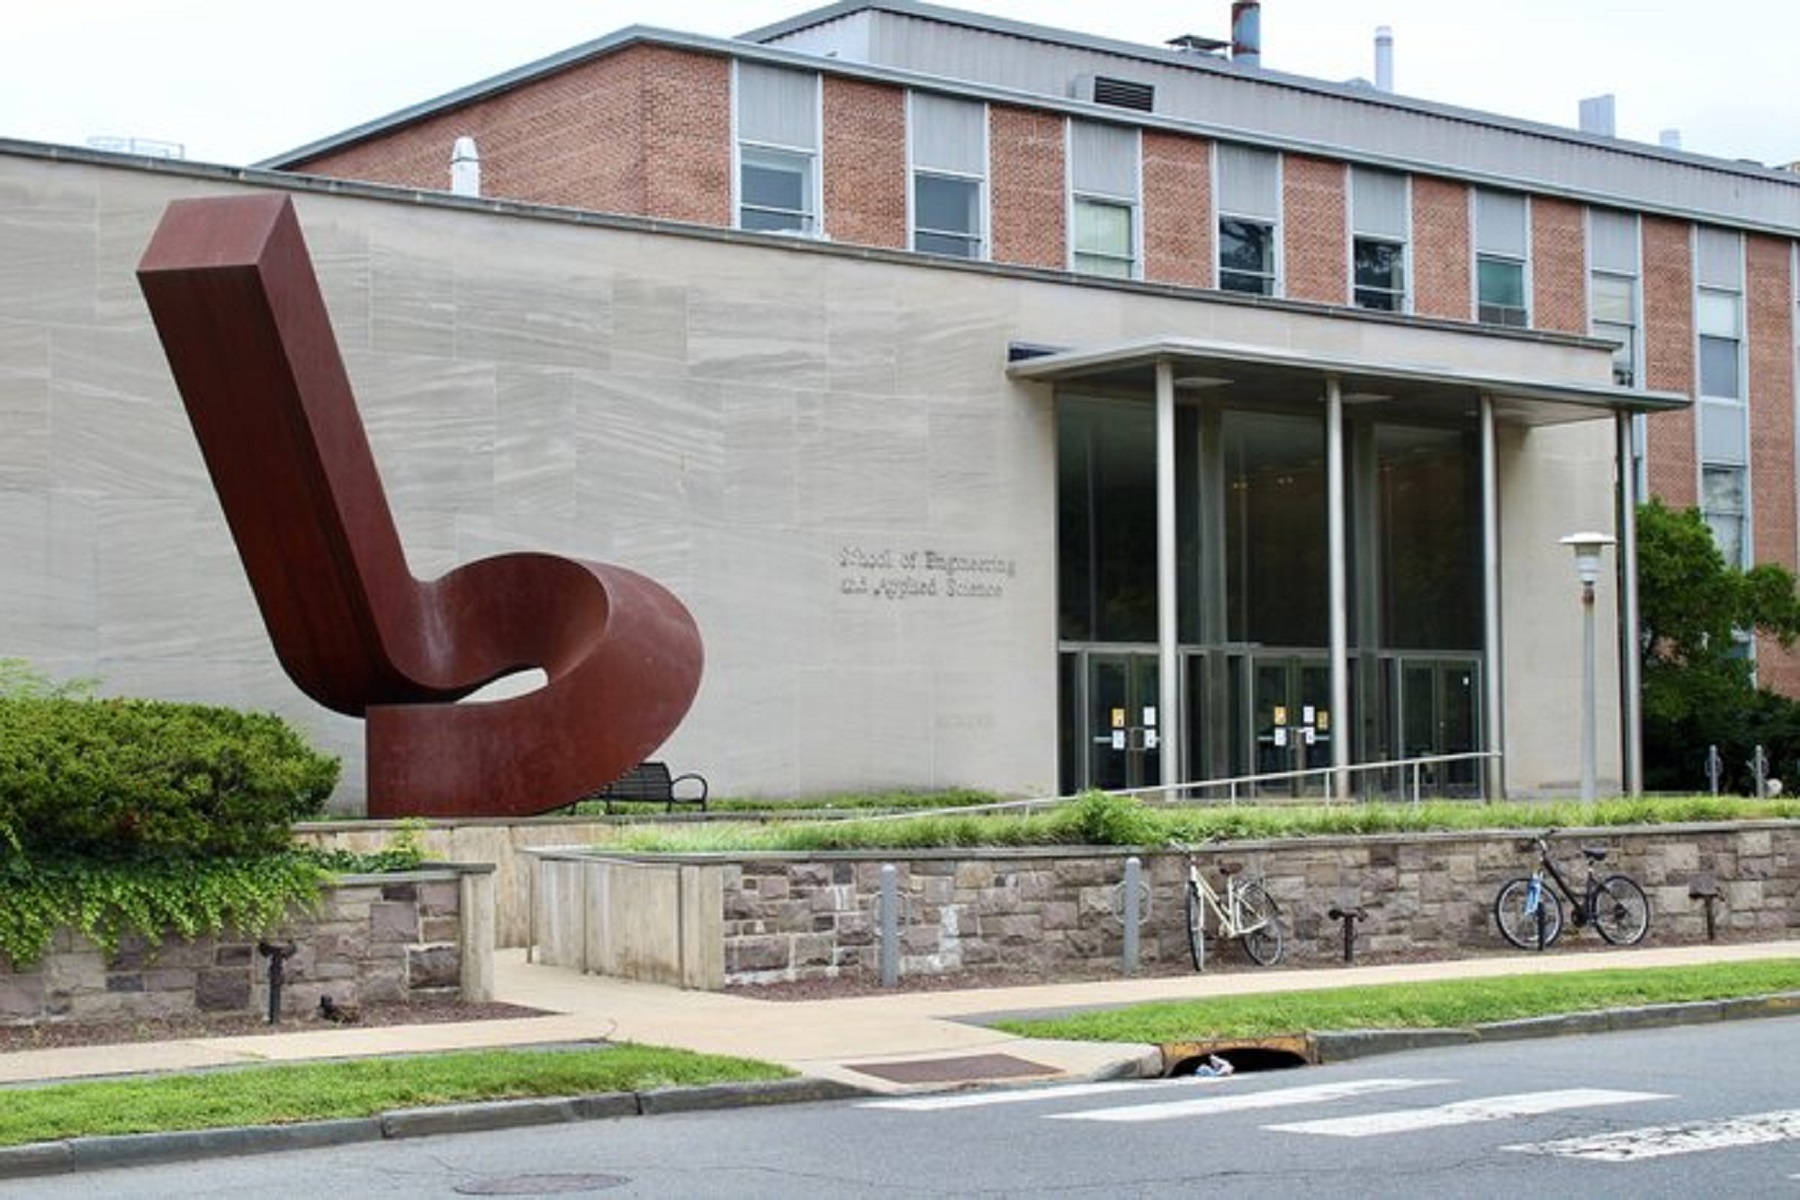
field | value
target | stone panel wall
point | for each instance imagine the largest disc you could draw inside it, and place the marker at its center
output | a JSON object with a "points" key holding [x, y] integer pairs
{"points": [[373, 939], [1057, 913]]}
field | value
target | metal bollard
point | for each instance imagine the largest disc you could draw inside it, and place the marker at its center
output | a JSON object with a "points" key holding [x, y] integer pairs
{"points": [[890, 926], [1349, 916], [277, 955], [1132, 914]]}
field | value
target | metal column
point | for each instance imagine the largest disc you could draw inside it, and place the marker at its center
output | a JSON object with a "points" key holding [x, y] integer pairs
{"points": [[1168, 632], [1494, 722], [1338, 555], [1631, 694]]}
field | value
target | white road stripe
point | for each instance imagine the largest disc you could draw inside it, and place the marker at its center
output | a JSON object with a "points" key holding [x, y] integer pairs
{"points": [[1031, 1094], [1756, 1129], [1199, 1106], [1466, 1112]]}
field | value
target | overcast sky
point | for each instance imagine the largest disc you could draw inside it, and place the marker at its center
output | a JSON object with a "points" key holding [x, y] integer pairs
{"points": [[234, 81]]}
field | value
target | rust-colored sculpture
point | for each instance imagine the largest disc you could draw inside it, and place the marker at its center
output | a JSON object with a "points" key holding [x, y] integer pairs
{"points": [[243, 323]]}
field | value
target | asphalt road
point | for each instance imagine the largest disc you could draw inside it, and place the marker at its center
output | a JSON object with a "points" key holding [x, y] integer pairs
{"points": [[1711, 1110]]}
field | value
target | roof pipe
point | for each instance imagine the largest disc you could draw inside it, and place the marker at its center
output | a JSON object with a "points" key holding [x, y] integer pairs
{"points": [[1246, 32], [1384, 58]]}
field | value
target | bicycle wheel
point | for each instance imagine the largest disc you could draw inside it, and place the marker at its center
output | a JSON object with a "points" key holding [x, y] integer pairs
{"points": [[1261, 938], [1621, 911], [1196, 925], [1518, 921]]}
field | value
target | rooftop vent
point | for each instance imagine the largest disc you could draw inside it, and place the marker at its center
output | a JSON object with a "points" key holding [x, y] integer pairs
{"points": [[1193, 43], [1119, 93]]}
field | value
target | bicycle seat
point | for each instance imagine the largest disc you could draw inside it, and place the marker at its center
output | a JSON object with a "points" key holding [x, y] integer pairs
{"points": [[1594, 853], [1230, 868]]}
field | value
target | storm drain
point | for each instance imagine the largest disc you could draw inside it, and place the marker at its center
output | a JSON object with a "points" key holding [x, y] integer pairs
{"points": [[970, 1068], [1246, 1055]]}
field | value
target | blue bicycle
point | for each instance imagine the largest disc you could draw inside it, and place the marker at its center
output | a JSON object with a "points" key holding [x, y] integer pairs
{"points": [[1530, 914]]}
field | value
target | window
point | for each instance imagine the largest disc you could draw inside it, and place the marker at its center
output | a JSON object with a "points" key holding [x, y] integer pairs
{"points": [[948, 142], [1103, 181], [1722, 499], [1249, 213], [778, 149], [1723, 416], [1378, 219], [1613, 289], [1500, 259]]}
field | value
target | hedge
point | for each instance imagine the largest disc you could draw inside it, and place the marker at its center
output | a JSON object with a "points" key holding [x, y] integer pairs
{"points": [[121, 779]]}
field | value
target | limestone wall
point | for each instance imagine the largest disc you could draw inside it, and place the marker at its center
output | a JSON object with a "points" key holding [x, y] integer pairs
{"points": [[1058, 913], [418, 936]]}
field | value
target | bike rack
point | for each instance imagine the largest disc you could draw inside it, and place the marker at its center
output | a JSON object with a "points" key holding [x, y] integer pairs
{"points": [[1706, 889], [1350, 917]]}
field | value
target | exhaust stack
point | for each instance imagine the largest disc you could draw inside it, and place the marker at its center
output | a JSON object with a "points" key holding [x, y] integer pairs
{"points": [[1246, 32], [1384, 58]]}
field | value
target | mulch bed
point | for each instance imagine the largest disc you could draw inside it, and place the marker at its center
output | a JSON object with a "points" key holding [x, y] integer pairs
{"points": [[52, 1035]]}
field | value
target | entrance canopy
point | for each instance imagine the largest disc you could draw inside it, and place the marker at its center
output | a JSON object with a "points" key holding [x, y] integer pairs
{"points": [[1224, 368], [1373, 421]]}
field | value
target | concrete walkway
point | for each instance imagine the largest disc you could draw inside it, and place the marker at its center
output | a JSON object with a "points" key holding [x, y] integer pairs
{"points": [[913, 1040]]}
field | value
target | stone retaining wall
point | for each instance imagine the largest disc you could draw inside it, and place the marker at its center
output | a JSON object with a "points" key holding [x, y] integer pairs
{"points": [[415, 936], [1057, 913]]}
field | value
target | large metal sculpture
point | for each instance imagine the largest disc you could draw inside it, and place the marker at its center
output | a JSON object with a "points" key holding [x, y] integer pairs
{"points": [[232, 291]]}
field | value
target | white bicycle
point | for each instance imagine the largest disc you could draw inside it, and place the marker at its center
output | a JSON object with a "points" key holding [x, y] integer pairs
{"points": [[1245, 912]]}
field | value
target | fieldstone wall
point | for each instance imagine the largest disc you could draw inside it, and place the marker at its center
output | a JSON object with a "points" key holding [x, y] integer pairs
{"points": [[416, 936], [1059, 913]]}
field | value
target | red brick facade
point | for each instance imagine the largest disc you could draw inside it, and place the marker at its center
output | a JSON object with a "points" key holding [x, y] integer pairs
{"points": [[1441, 255], [645, 131], [865, 163], [1026, 155], [1178, 209], [1315, 229], [1769, 325], [1669, 357], [1558, 265]]}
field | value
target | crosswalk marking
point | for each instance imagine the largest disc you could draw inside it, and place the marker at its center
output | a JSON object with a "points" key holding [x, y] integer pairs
{"points": [[1246, 1101], [1026, 1095], [1466, 1112], [1630, 1145]]}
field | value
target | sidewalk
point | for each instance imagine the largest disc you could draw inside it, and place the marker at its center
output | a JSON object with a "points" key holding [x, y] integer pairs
{"points": [[913, 1040]]}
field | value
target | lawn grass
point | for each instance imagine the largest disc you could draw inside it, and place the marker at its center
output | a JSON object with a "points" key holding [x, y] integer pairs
{"points": [[323, 1091], [1448, 1004]]}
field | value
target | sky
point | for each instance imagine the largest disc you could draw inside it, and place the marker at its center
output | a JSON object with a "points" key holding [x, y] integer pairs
{"points": [[236, 81]]}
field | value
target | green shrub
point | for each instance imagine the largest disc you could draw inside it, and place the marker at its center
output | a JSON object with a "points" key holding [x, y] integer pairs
{"points": [[111, 779]]}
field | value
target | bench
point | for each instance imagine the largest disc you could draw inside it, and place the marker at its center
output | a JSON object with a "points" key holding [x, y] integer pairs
{"points": [[651, 782]]}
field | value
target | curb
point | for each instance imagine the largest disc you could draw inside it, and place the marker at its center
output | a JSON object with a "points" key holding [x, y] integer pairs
{"points": [[141, 1149], [1342, 1046]]}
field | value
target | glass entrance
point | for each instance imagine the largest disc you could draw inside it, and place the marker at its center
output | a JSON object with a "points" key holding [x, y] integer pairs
{"points": [[1124, 728], [1291, 706], [1439, 713]]}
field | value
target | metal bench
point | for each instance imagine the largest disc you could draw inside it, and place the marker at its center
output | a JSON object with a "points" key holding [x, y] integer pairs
{"points": [[651, 782]]}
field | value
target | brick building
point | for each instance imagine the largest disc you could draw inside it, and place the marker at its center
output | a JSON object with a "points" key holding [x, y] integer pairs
{"points": [[1034, 410]]}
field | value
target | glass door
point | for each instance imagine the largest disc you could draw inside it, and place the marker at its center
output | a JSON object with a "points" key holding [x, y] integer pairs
{"points": [[1440, 713], [1292, 719], [1124, 728]]}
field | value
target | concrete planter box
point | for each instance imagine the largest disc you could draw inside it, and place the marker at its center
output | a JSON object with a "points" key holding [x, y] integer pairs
{"points": [[708, 921], [408, 936]]}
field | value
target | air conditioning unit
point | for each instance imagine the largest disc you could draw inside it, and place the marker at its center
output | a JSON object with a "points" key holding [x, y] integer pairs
{"points": [[1118, 93]]}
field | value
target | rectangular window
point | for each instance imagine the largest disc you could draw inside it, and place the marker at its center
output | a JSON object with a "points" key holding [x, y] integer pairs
{"points": [[948, 143], [1613, 288], [1722, 499], [1379, 224], [1719, 318], [1103, 238], [1249, 191], [1500, 253], [778, 149], [1103, 183]]}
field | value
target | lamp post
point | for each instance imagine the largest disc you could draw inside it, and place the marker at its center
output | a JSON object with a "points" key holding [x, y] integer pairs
{"points": [[1587, 548]]}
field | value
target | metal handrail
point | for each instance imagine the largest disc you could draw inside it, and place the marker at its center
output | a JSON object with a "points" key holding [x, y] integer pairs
{"points": [[1231, 782]]}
